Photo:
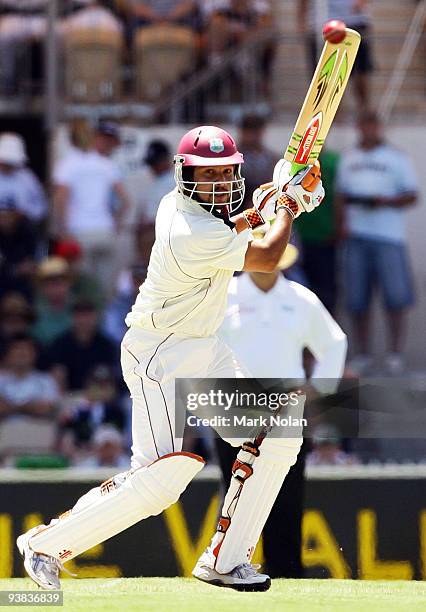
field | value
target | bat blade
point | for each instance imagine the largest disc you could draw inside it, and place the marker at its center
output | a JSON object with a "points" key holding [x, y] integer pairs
{"points": [[322, 101]]}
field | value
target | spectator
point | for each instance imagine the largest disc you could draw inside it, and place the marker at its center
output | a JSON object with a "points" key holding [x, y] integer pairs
{"points": [[259, 161], [97, 406], [79, 137], [82, 348], [108, 444], [18, 246], [23, 389], [83, 284], [23, 22], [16, 317], [151, 12], [376, 184], [233, 22], [83, 207], [114, 325], [159, 160], [91, 14], [318, 237], [164, 44], [327, 448], [53, 300], [312, 14], [19, 182], [146, 187]]}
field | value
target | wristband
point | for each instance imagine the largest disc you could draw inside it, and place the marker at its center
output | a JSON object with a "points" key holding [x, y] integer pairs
{"points": [[287, 208], [287, 204], [253, 218]]}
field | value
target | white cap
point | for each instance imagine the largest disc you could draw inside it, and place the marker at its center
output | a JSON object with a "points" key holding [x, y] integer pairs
{"points": [[12, 149], [106, 434]]}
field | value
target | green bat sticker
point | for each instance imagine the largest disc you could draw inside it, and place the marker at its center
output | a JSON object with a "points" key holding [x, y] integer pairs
{"points": [[324, 79]]}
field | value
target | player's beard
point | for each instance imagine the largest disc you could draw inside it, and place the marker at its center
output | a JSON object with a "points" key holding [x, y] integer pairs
{"points": [[220, 199], [220, 210], [220, 196], [212, 198]]}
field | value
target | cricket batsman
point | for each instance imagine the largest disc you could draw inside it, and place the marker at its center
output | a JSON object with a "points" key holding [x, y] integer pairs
{"points": [[200, 242]]}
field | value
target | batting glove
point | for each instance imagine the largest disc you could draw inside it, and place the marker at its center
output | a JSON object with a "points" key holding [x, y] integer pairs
{"points": [[300, 193], [305, 188], [264, 201]]}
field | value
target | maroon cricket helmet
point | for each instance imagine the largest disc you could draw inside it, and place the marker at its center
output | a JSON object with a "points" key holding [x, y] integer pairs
{"points": [[208, 145]]}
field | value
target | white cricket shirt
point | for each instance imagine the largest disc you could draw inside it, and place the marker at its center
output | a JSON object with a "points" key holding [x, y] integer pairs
{"points": [[90, 178], [154, 190], [192, 261], [269, 330], [382, 171], [24, 188]]}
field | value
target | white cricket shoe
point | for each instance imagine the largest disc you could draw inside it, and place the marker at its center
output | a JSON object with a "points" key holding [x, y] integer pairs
{"points": [[244, 577], [43, 569]]}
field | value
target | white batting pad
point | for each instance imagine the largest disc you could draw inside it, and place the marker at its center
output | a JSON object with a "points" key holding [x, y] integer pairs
{"points": [[255, 484], [117, 504]]}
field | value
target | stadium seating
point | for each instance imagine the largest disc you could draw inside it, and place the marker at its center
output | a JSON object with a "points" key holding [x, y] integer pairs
{"points": [[27, 435], [93, 65], [163, 54]]}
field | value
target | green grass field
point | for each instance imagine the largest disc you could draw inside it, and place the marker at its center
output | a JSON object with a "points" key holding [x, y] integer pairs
{"points": [[187, 595]]}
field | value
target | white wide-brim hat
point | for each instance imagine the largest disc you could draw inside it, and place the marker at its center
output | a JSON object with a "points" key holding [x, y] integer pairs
{"points": [[12, 149]]}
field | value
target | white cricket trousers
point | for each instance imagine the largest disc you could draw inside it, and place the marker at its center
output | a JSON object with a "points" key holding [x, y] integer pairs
{"points": [[151, 361]]}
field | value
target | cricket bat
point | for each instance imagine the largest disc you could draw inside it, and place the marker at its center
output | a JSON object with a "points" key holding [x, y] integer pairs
{"points": [[322, 101]]}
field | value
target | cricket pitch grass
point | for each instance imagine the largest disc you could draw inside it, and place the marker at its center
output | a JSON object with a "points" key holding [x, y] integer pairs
{"points": [[190, 595]]}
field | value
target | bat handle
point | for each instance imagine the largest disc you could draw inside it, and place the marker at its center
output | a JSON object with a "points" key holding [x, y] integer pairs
{"points": [[295, 168], [300, 176]]}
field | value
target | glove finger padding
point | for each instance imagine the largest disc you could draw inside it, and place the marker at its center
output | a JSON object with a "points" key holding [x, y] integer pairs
{"points": [[282, 174], [312, 178], [305, 200], [264, 202], [262, 195]]}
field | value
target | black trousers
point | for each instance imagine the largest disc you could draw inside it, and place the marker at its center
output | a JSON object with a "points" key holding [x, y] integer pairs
{"points": [[319, 263], [282, 535]]}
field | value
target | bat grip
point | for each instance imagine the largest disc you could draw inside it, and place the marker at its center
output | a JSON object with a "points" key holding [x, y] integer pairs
{"points": [[295, 168], [300, 176]]}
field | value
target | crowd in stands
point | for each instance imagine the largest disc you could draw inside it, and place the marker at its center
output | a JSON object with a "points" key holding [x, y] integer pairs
{"points": [[133, 34], [65, 289], [111, 50]]}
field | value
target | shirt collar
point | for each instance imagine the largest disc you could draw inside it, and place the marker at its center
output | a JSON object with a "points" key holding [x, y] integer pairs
{"points": [[279, 288], [186, 204]]}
